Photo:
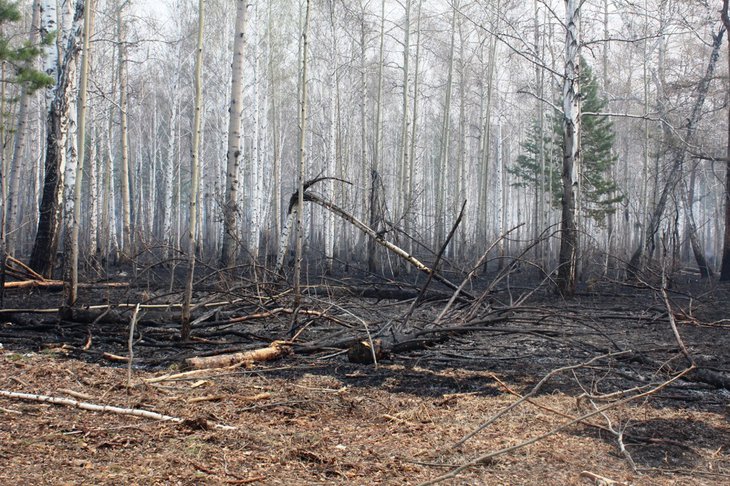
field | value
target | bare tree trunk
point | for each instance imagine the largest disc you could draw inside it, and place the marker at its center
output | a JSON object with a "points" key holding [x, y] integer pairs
{"points": [[275, 135], [375, 182], [333, 155], [410, 187], [302, 159], [127, 250], [233, 155], [93, 205], [75, 168], [442, 186], [256, 199], [486, 132], [195, 177], [568, 257], [403, 171], [46, 242], [169, 173], [725, 270]]}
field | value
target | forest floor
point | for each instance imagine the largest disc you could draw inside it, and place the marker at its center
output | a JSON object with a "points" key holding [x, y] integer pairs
{"points": [[314, 417]]}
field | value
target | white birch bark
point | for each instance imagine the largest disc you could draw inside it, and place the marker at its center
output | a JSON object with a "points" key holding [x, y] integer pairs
{"points": [[195, 177], [302, 158], [93, 205], [404, 172], [332, 156], [60, 128], [169, 169], [127, 249], [233, 155], [49, 25], [568, 257], [256, 200], [76, 151]]}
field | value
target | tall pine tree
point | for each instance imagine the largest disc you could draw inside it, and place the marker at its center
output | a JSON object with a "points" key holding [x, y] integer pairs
{"points": [[599, 191]]}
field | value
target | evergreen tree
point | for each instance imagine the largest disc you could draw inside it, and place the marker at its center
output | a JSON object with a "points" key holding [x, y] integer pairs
{"points": [[599, 192], [21, 56]]}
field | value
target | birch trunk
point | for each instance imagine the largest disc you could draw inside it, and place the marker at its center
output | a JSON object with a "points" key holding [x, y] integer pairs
{"points": [[329, 218], [568, 257], [275, 135], [442, 184], [256, 201], [93, 206], [410, 187], [59, 119], [169, 171], [233, 154], [75, 167], [374, 203], [127, 250], [195, 177], [404, 172], [302, 159]]}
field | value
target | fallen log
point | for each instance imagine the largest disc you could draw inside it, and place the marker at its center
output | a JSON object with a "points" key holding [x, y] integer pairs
{"points": [[42, 284], [275, 350], [58, 284]]}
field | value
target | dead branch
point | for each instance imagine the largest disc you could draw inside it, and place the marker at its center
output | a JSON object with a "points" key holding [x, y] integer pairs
{"points": [[25, 268], [490, 455], [473, 272], [58, 284], [534, 390], [89, 406], [418, 299], [130, 344], [137, 412], [187, 375], [598, 480], [672, 320]]}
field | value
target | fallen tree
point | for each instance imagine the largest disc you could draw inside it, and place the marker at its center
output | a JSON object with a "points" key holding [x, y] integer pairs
{"points": [[378, 237]]}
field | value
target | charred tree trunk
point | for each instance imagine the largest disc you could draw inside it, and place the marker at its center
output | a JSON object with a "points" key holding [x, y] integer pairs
{"points": [[43, 255], [568, 257]]}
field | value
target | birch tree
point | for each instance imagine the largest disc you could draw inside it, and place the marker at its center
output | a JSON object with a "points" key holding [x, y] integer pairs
{"points": [[127, 250], [568, 257], [57, 134], [75, 168], [302, 157], [195, 176], [233, 154]]}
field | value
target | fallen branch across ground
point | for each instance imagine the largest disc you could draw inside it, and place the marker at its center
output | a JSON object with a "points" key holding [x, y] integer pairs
{"points": [[490, 455], [137, 412]]}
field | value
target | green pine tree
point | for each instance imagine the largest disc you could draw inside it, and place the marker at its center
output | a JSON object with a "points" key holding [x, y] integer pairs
{"points": [[600, 194], [20, 56]]}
